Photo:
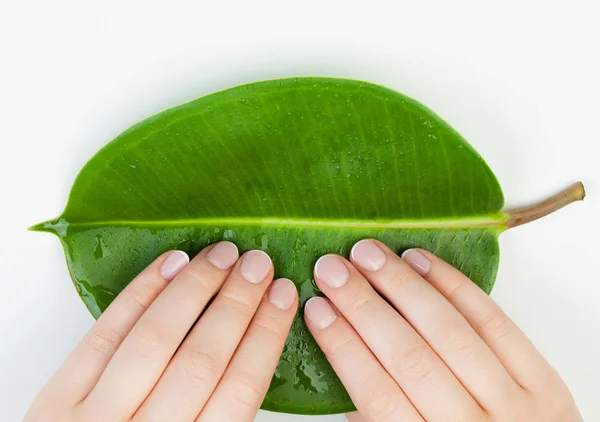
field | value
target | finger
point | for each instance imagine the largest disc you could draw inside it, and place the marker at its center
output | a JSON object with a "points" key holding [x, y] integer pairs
{"points": [[372, 390], [403, 353], [100, 343], [244, 385], [147, 349], [196, 368], [512, 347], [438, 322]]}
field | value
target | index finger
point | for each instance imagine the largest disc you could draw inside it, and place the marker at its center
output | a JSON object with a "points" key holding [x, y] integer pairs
{"points": [[100, 343], [372, 390]]}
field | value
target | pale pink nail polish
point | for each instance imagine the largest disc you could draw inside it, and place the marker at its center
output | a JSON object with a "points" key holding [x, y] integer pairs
{"points": [[255, 266], [331, 270], [223, 255], [175, 262], [368, 255], [417, 261], [319, 312], [282, 294]]}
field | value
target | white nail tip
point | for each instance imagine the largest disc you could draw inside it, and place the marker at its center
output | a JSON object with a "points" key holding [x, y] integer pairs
{"points": [[185, 255], [262, 252], [325, 322], [234, 245], [317, 268], [310, 300], [354, 247]]}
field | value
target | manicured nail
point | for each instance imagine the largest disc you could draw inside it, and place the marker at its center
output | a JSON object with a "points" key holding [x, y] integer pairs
{"points": [[255, 266], [175, 262], [283, 293], [368, 255], [332, 271], [223, 255], [417, 261], [319, 312]]}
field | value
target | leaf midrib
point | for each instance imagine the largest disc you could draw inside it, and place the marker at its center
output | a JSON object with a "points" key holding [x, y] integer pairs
{"points": [[497, 220]]}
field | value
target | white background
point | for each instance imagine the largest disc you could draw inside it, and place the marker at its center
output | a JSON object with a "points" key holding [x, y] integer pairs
{"points": [[519, 79]]}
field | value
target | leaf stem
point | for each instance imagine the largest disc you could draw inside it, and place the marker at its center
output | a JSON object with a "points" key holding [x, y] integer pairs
{"points": [[573, 193]]}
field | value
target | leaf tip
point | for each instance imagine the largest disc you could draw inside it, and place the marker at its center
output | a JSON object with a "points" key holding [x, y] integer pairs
{"points": [[42, 227], [57, 227], [36, 227]]}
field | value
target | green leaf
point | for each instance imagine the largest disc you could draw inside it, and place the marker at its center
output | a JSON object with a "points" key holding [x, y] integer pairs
{"points": [[297, 168]]}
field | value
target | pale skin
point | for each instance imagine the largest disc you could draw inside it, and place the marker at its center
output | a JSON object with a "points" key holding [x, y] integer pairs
{"points": [[411, 338]]}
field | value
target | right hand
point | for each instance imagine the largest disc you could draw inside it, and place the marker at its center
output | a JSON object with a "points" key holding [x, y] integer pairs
{"points": [[414, 339]]}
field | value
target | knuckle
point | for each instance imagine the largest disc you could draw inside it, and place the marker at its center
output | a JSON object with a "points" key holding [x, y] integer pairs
{"points": [[197, 278], [496, 325], [237, 302], [401, 277], [340, 348], [415, 363], [245, 391], [200, 366], [104, 340], [141, 297], [148, 341], [360, 301], [380, 407], [456, 337], [270, 325], [452, 290]]}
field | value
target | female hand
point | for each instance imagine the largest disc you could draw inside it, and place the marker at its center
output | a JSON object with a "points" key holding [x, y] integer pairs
{"points": [[413, 339], [138, 362]]}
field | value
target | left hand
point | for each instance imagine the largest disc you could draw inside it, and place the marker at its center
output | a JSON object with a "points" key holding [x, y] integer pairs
{"points": [[160, 352]]}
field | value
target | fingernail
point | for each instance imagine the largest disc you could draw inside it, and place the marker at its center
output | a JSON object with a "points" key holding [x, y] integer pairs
{"points": [[175, 262], [283, 293], [223, 255], [332, 271], [255, 266], [319, 312], [417, 261], [368, 255]]}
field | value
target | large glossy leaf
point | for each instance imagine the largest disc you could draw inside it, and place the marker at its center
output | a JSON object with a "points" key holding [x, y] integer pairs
{"points": [[297, 168]]}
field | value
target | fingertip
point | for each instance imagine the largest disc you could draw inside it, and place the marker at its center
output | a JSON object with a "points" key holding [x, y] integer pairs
{"points": [[223, 255], [417, 261], [319, 313], [368, 255], [332, 270], [283, 293], [175, 261], [256, 265]]}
